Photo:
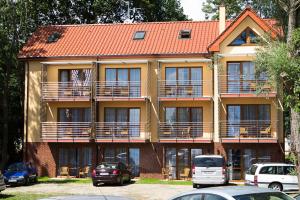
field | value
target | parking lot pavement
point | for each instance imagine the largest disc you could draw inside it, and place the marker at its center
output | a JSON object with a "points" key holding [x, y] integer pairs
{"points": [[134, 191]]}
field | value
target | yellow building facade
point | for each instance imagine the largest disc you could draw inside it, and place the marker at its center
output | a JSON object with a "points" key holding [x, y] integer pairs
{"points": [[154, 111]]}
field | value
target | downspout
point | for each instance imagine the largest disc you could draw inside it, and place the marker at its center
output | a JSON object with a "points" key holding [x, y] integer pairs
{"points": [[26, 111]]}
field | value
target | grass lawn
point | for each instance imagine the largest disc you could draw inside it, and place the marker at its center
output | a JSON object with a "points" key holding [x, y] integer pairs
{"points": [[158, 181], [23, 196], [64, 180]]}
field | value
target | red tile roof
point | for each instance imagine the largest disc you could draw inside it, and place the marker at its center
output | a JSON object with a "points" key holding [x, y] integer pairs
{"points": [[117, 39]]}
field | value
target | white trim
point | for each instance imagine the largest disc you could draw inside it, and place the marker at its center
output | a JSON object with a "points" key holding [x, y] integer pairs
{"points": [[123, 62], [191, 60], [68, 63], [235, 54]]}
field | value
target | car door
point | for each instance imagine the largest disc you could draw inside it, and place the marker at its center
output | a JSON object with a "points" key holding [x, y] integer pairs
{"points": [[267, 175]]}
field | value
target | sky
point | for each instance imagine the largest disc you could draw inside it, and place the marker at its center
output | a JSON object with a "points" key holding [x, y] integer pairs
{"points": [[192, 8]]}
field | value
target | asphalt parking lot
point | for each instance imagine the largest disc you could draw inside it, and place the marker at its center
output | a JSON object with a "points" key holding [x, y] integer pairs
{"points": [[133, 191]]}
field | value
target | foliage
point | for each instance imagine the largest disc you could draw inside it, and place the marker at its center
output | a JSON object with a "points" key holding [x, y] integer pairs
{"points": [[64, 180], [23, 196], [159, 181], [278, 60]]}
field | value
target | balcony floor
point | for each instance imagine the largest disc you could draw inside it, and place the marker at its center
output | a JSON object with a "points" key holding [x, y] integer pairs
{"points": [[249, 140]]}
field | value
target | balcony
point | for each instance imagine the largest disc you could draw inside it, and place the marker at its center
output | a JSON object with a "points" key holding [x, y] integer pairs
{"points": [[66, 131], [119, 90], [182, 132], [185, 90], [66, 91], [239, 87], [248, 131], [122, 132]]}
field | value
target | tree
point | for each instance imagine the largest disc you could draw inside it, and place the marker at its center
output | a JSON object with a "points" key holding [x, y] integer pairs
{"points": [[20, 18]]}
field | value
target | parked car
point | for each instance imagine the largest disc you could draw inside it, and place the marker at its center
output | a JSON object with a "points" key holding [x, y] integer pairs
{"points": [[233, 193], [111, 172], [209, 170], [297, 197], [278, 176], [2, 182], [20, 174]]}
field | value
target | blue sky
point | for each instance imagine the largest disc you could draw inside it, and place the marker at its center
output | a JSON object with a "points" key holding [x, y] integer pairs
{"points": [[192, 8]]}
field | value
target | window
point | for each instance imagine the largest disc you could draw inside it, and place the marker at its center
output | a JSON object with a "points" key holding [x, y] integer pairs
{"points": [[268, 170], [290, 170], [247, 37], [139, 35], [187, 79], [124, 81], [74, 114], [185, 34], [76, 76], [213, 197], [190, 197]]}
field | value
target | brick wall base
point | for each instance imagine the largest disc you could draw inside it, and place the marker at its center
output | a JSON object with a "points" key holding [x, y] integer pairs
{"points": [[45, 155]]}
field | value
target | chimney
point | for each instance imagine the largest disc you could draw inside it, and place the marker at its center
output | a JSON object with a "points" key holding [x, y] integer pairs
{"points": [[222, 17]]}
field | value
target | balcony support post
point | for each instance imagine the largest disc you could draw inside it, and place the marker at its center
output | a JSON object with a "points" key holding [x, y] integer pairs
{"points": [[216, 135]]}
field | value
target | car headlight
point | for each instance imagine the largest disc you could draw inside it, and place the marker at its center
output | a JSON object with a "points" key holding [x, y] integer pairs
{"points": [[20, 177]]}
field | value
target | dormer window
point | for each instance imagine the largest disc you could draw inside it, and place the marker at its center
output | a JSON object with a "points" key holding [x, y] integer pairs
{"points": [[185, 34], [139, 35], [247, 37]]}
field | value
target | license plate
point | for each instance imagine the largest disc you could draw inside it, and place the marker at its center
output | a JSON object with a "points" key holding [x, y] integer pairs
{"points": [[12, 181], [208, 172], [103, 174]]}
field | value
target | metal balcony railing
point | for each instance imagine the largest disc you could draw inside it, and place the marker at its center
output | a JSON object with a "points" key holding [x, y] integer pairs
{"points": [[248, 129], [66, 130], [122, 130], [185, 130], [242, 85], [185, 88], [66, 90], [111, 89]]}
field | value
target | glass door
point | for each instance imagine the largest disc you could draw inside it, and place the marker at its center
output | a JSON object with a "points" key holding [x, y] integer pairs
{"points": [[183, 163], [183, 81], [134, 122], [248, 76], [134, 161], [197, 122], [171, 164], [135, 83], [197, 81], [233, 78], [234, 159], [233, 118]]}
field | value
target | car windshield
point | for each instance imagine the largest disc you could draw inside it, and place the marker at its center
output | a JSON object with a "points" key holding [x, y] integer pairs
{"points": [[264, 196], [252, 170], [16, 167], [208, 162], [107, 166]]}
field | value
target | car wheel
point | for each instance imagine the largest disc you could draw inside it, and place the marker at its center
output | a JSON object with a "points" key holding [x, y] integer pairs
{"points": [[95, 184], [26, 181], [121, 181], [35, 180], [276, 186]]}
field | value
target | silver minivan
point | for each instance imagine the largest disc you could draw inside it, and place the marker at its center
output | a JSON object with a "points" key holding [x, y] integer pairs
{"points": [[209, 170]]}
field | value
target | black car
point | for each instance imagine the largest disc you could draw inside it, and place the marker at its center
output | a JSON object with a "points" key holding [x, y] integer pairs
{"points": [[112, 173]]}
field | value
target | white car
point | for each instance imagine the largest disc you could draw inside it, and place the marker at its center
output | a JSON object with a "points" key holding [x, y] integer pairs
{"points": [[233, 193], [278, 176], [209, 170], [2, 183]]}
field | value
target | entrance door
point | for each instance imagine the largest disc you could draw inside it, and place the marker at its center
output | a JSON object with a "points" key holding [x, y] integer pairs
{"points": [[234, 159], [171, 164], [183, 161], [134, 161]]}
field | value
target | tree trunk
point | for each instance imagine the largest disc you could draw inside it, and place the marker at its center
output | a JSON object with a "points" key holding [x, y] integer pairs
{"points": [[291, 24], [5, 126], [295, 136]]}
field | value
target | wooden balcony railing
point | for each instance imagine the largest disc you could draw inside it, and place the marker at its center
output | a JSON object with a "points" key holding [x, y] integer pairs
{"points": [[240, 85], [248, 129], [118, 89], [185, 89], [185, 130], [66, 91], [122, 130], [66, 131]]}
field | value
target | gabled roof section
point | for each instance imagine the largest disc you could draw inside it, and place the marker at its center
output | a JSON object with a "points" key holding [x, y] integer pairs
{"points": [[161, 38], [266, 24]]}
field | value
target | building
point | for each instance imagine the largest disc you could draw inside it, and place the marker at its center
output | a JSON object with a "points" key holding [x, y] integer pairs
{"points": [[152, 95]]}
